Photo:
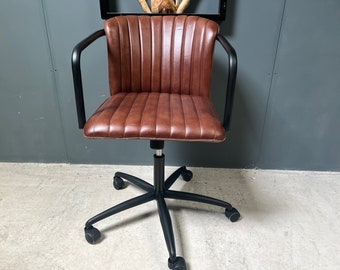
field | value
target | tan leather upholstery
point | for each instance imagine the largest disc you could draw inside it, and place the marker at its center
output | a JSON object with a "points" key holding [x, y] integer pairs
{"points": [[160, 78]]}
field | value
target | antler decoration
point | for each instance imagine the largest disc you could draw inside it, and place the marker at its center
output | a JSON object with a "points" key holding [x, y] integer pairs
{"points": [[164, 6], [145, 6], [184, 4]]}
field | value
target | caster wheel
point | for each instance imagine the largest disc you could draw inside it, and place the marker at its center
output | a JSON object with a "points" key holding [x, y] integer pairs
{"points": [[118, 183], [187, 175], [92, 235], [178, 264], [232, 214]]}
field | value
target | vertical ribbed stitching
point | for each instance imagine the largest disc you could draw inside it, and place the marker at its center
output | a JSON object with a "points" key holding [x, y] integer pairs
{"points": [[141, 55], [127, 116], [213, 112], [156, 115], [152, 52], [171, 53], [170, 111], [97, 115], [185, 122], [202, 74], [121, 44], [180, 60], [161, 55], [198, 117], [172, 56], [151, 56], [143, 113], [182, 57], [108, 31], [192, 56], [131, 56], [120, 104], [120, 64]]}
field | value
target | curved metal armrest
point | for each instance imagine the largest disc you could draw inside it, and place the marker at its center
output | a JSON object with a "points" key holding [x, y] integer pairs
{"points": [[77, 79], [231, 80]]}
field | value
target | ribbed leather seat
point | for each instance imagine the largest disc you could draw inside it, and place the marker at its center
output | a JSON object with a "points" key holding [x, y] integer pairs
{"points": [[156, 115], [160, 80]]}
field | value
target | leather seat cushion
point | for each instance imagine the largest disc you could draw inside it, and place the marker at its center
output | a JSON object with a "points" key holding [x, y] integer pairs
{"points": [[156, 116]]}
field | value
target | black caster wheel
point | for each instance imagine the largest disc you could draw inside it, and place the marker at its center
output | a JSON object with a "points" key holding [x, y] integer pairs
{"points": [[232, 214], [187, 175], [118, 183], [92, 235], [178, 264]]}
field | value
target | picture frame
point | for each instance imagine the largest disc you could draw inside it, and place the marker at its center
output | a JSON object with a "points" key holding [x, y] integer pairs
{"points": [[211, 9]]}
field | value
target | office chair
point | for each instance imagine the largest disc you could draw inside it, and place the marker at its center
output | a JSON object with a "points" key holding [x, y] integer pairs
{"points": [[160, 70]]}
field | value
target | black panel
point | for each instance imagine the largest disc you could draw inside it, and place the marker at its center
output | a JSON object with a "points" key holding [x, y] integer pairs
{"points": [[109, 9]]}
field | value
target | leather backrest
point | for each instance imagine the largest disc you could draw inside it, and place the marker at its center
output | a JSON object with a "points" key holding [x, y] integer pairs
{"points": [[171, 54]]}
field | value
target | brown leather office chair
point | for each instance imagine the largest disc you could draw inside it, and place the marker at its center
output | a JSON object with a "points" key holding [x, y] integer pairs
{"points": [[160, 70]]}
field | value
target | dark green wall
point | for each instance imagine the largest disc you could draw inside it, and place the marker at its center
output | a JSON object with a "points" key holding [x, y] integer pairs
{"points": [[287, 104]]}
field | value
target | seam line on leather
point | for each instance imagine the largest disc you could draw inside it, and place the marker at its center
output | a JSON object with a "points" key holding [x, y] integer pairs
{"points": [[131, 105], [182, 55], [143, 113], [170, 115], [197, 114], [156, 116], [202, 50], [192, 56], [121, 88], [171, 55], [183, 116], [114, 112], [141, 55], [131, 57], [161, 54]]}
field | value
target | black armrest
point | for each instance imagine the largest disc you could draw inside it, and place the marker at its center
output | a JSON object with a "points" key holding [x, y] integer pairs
{"points": [[77, 79], [231, 80]]}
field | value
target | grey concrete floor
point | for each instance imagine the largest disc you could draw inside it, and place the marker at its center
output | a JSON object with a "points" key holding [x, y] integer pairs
{"points": [[290, 220]]}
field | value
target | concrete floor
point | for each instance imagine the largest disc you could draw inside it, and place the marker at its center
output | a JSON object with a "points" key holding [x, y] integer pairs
{"points": [[290, 220]]}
